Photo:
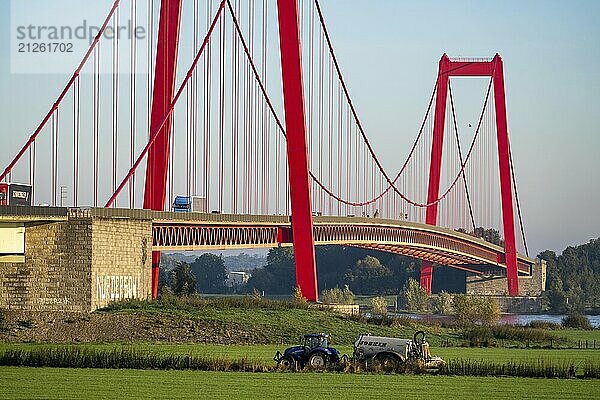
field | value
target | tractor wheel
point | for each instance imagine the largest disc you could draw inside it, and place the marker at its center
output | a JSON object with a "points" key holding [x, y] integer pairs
{"points": [[387, 363], [287, 363], [318, 361]]}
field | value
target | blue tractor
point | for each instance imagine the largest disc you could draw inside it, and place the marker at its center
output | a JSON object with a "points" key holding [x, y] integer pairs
{"points": [[314, 352]]}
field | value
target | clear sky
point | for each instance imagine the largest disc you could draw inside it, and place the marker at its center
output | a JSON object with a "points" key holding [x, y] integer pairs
{"points": [[389, 52]]}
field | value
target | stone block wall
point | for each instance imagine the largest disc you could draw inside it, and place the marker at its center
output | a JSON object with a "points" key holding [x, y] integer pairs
{"points": [[57, 269], [512, 305], [520, 305], [79, 265], [529, 286], [121, 260]]}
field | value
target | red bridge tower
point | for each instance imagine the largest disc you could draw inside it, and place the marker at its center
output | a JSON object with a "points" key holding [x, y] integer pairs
{"points": [[493, 69], [158, 156]]}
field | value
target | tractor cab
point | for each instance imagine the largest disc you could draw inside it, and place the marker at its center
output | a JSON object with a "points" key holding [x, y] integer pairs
{"points": [[315, 340]]}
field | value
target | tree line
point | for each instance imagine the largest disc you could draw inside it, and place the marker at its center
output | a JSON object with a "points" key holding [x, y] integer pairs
{"points": [[573, 278], [363, 271]]}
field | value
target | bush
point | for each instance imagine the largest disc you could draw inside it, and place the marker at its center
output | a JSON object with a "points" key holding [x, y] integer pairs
{"points": [[299, 297], [489, 311], [479, 336], [414, 296], [523, 334], [470, 310], [379, 305], [256, 294], [484, 336], [443, 303], [577, 320], [195, 302], [537, 324], [337, 296]]}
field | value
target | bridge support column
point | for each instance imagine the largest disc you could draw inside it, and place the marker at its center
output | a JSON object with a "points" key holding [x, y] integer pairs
{"points": [[297, 153], [164, 89], [435, 167], [508, 216]]}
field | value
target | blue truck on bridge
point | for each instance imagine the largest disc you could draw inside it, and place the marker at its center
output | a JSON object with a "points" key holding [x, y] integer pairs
{"points": [[189, 204]]}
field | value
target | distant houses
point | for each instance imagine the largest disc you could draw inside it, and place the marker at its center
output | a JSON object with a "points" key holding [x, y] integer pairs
{"points": [[236, 279]]}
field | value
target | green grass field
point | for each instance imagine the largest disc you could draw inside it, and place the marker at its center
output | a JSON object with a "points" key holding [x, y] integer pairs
{"points": [[572, 336], [264, 353], [54, 383]]}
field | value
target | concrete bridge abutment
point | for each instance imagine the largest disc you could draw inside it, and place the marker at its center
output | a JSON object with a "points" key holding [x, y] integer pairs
{"points": [[77, 262], [532, 285]]}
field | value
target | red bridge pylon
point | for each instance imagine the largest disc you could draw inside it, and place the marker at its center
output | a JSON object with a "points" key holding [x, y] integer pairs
{"points": [[493, 69], [158, 157]]}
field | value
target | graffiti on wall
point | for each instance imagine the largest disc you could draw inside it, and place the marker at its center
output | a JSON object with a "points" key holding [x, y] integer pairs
{"points": [[117, 287]]}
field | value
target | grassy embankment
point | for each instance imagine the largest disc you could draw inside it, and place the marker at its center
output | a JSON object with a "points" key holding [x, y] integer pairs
{"points": [[277, 322], [249, 320]]}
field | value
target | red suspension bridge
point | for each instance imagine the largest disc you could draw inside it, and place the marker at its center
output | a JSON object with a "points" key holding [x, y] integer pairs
{"points": [[217, 131]]}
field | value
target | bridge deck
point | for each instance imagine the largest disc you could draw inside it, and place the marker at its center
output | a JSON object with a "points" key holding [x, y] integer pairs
{"points": [[200, 231]]}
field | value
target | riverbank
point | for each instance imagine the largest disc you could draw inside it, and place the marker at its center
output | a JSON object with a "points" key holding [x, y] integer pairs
{"points": [[505, 319], [259, 321]]}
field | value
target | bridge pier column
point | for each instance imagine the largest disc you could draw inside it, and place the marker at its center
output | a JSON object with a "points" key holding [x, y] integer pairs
{"points": [[164, 89], [435, 167], [426, 275], [508, 216], [297, 152]]}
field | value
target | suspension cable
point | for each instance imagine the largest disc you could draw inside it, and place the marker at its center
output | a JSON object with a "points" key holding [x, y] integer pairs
{"points": [[389, 181], [169, 111], [460, 157], [514, 181], [360, 127], [62, 95]]}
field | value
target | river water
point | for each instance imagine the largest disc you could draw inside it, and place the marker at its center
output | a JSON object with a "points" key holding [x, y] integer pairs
{"points": [[523, 319], [509, 319]]}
